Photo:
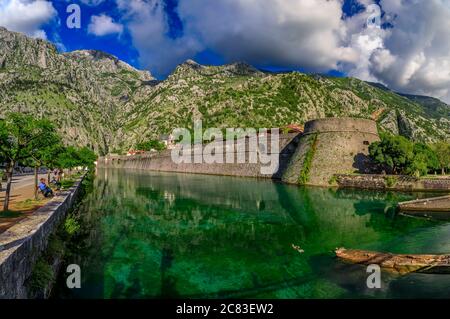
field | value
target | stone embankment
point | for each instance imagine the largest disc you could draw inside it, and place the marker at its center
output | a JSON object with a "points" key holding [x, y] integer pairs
{"points": [[331, 152], [328, 146], [22, 244], [392, 182], [163, 161]]}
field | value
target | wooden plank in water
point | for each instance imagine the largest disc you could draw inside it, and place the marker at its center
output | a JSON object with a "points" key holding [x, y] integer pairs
{"points": [[401, 264], [435, 204]]}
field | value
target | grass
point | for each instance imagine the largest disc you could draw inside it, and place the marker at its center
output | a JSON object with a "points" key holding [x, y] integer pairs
{"points": [[10, 214], [22, 207], [67, 183], [30, 204]]}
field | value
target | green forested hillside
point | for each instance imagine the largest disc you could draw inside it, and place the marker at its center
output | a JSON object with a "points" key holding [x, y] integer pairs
{"points": [[99, 101]]}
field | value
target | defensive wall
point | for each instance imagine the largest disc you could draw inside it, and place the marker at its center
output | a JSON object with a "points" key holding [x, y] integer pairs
{"points": [[327, 147]]}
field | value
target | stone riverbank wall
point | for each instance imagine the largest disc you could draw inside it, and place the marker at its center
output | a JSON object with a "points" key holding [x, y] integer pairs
{"points": [[394, 182], [163, 161], [22, 244], [328, 146]]}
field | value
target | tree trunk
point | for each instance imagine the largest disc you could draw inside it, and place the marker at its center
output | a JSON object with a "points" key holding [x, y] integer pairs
{"points": [[36, 183], [48, 176], [9, 175], [443, 171]]}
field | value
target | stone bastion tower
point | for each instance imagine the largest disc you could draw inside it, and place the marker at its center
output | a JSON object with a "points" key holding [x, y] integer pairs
{"points": [[331, 146]]}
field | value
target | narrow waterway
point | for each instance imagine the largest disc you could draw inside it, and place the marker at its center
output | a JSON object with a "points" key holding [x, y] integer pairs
{"points": [[153, 235]]}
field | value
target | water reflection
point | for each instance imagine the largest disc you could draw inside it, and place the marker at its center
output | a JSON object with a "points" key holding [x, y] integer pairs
{"points": [[172, 235]]}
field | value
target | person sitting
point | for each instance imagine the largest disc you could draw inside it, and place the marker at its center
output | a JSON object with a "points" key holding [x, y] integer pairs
{"points": [[56, 184], [45, 190]]}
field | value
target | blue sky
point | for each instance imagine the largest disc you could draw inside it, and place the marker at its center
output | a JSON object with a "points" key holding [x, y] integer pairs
{"points": [[75, 39], [404, 45]]}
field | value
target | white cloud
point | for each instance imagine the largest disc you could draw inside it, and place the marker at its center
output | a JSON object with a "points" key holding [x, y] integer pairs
{"points": [[26, 16], [306, 33], [148, 25], [414, 55], [104, 25]]}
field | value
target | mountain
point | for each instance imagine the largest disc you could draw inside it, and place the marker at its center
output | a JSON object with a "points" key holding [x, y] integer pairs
{"points": [[99, 101]]}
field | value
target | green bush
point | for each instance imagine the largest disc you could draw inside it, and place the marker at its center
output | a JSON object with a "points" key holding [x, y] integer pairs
{"points": [[390, 181], [41, 276], [67, 183], [332, 180], [151, 144], [71, 225], [403, 156]]}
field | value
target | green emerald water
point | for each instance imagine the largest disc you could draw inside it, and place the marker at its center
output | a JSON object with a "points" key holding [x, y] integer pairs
{"points": [[164, 235]]}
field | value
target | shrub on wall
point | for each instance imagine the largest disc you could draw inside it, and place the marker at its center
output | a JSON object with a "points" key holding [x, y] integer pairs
{"points": [[307, 163], [390, 181]]}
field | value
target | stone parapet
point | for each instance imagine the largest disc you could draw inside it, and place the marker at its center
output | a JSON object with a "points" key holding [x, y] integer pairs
{"points": [[393, 182], [22, 244]]}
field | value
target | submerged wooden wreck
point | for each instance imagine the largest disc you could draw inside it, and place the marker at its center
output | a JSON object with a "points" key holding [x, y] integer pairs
{"points": [[434, 204], [401, 264]]}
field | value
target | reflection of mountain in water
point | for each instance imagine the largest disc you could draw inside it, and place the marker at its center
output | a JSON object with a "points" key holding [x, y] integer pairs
{"points": [[193, 235]]}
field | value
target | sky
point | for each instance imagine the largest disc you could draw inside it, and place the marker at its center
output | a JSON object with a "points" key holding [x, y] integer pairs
{"points": [[403, 44]]}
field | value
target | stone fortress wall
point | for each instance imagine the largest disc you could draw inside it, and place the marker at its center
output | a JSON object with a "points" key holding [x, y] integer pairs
{"points": [[331, 146], [163, 161], [327, 147]]}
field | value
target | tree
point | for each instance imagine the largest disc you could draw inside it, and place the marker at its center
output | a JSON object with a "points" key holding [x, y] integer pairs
{"points": [[4, 142], [23, 137], [418, 165], [151, 144], [424, 160], [49, 158], [86, 157], [396, 152], [72, 157], [43, 155], [442, 150], [404, 156], [68, 158]]}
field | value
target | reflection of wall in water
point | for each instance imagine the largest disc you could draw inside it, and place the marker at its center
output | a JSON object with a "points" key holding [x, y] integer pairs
{"points": [[323, 215]]}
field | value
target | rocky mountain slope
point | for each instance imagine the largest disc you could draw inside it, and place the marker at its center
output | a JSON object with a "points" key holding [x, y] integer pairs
{"points": [[100, 101]]}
